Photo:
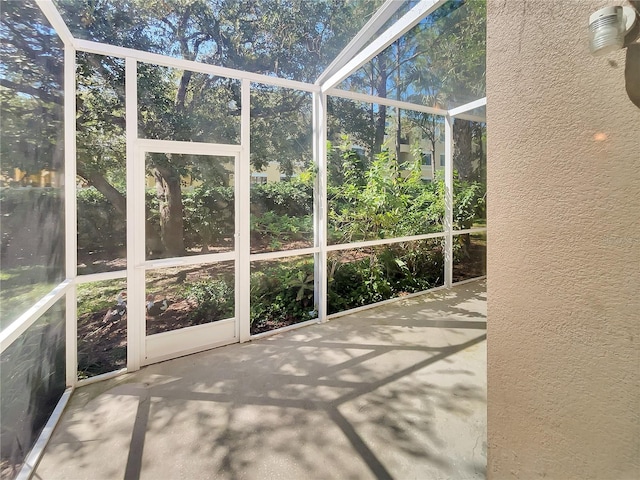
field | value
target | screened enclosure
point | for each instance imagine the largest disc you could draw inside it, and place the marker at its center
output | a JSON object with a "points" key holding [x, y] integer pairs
{"points": [[177, 176]]}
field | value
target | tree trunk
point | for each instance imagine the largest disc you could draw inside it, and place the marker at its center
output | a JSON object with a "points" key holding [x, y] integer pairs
{"points": [[181, 94], [114, 197], [480, 172], [380, 130], [462, 149], [169, 196]]}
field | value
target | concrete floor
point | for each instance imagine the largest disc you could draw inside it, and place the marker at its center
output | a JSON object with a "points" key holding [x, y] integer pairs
{"points": [[398, 391]]}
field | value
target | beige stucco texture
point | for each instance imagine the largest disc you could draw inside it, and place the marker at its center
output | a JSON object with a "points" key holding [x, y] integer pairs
{"points": [[564, 249]]}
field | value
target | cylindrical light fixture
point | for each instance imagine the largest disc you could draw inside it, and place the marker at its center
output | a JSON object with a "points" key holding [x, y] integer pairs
{"points": [[608, 27]]}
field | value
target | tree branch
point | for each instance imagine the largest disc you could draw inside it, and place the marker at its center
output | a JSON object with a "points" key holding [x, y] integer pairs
{"points": [[33, 91]]}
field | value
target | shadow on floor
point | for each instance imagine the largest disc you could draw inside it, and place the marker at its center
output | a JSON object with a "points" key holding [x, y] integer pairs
{"points": [[393, 392]]}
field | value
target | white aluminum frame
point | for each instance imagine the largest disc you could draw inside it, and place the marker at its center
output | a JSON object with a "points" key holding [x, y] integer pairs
{"points": [[320, 248], [186, 340], [162, 60], [101, 277], [384, 241], [256, 257], [364, 97], [347, 62], [377, 21], [67, 287], [70, 215], [243, 213], [320, 204], [135, 242], [448, 201], [11, 333], [481, 102], [135, 237], [402, 26]]}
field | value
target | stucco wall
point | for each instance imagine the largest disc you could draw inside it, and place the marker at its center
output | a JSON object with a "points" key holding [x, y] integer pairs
{"points": [[564, 248]]}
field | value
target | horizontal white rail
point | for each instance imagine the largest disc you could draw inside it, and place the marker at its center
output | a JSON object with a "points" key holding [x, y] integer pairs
{"points": [[186, 148], [481, 102], [193, 66], [100, 277], [260, 335], [101, 377], [364, 97], [191, 260], [256, 257], [28, 318], [384, 241]]}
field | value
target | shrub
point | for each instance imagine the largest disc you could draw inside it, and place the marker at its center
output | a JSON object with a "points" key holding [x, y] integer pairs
{"points": [[469, 203], [282, 294], [208, 215], [281, 228], [384, 201], [293, 198], [214, 300], [32, 228], [381, 273]]}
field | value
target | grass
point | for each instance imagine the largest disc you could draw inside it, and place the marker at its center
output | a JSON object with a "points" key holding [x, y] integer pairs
{"points": [[21, 288], [96, 296]]}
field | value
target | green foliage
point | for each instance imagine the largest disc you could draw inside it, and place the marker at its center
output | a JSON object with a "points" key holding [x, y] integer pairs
{"points": [[31, 133], [293, 198], [281, 228], [281, 127], [282, 294], [95, 296], [208, 214], [282, 212], [469, 203], [100, 226], [385, 199], [345, 166], [382, 199], [213, 299], [366, 276]]}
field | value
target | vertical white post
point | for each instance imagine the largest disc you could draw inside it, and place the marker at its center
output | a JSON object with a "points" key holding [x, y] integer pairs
{"points": [[317, 214], [243, 217], [136, 317], [70, 213], [448, 200], [320, 203]]}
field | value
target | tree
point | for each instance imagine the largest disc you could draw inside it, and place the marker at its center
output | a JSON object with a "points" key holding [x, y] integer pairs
{"points": [[440, 62], [461, 65], [292, 39], [288, 39], [431, 126], [31, 148], [31, 91]]}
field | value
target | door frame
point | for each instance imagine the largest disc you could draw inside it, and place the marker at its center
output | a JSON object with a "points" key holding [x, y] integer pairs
{"points": [[175, 343]]}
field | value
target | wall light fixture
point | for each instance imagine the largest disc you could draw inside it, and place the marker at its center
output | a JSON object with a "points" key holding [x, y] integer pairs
{"points": [[608, 27]]}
